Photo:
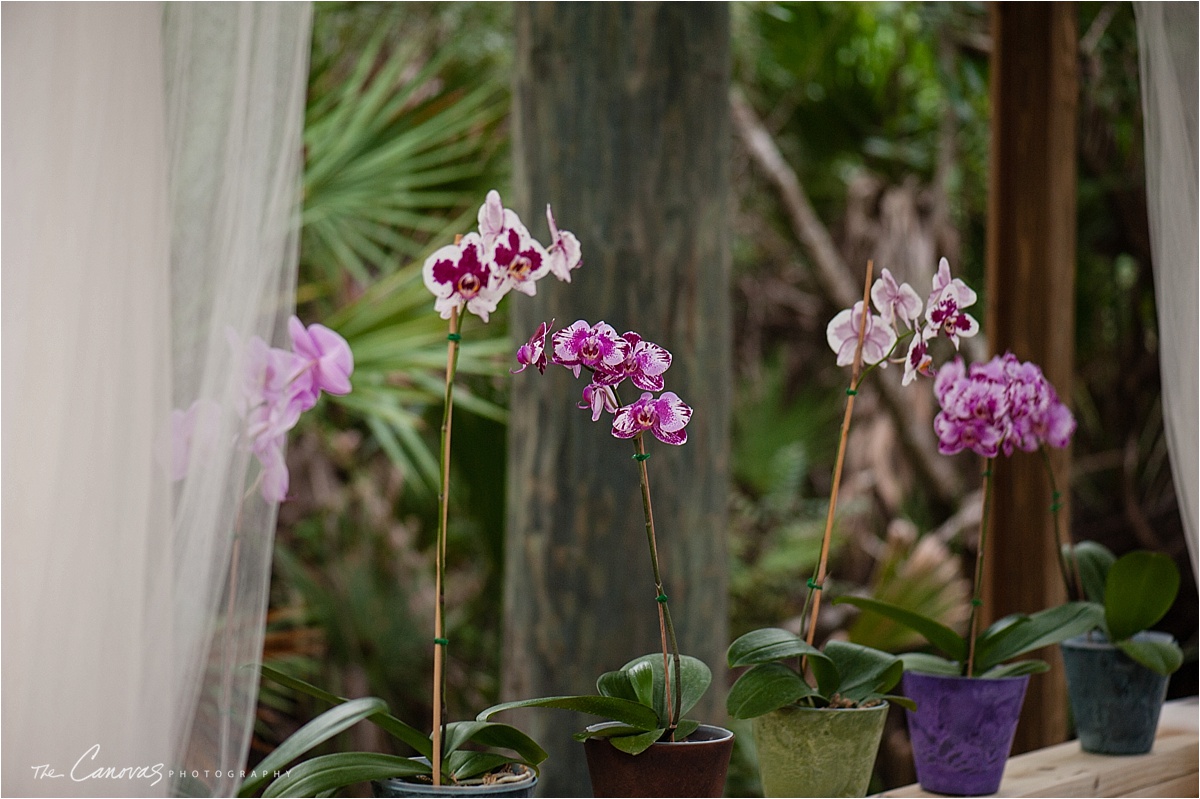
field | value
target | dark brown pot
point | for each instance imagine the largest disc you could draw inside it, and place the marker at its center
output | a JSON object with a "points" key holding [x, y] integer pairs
{"points": [[695, 767]]}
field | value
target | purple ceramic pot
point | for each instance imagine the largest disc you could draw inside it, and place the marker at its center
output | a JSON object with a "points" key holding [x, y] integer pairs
{"points": [[962, 730]]}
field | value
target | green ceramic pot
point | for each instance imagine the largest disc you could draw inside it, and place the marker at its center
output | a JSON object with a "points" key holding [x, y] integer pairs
{"points": [[818, 751]]}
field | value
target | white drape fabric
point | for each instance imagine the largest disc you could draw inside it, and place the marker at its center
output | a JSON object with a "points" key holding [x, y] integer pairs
{"points": [[1170, 81], [151, 160]]}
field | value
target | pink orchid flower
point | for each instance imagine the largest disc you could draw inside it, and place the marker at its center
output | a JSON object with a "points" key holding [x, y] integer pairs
{"points": [[644, 365], [594, 346], [564, 250], [665, 417], [943, 310], [842, 335], [461, 276], [533, 352], [598, 398], [895, 301], [325, 353]]}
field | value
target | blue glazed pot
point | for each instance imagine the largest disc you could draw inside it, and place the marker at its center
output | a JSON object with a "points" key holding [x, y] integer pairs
{"points": [[1115, 700]]}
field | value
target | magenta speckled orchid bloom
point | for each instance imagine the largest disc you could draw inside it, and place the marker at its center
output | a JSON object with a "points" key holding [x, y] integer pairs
{"points": [[918, 361], [974, 416], [564, 250], [842, 335], [462, 275], [643, 365], [895, 300], [594, 346], [665, 417], [944, 309], [533, 352], [518, 261]]}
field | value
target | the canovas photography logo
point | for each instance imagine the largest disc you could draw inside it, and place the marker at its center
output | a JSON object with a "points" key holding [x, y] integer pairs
{"points": [[90, 766]]}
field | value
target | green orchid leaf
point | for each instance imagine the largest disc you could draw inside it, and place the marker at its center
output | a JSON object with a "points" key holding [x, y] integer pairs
{"points": [[610, 731], [924, 663], [315, 732], [763, 688], [331, 772], [1094, 562], [686, 728], [465, 764], [1163, 657], [616, 683], [636, 744], [1046, 627], [498, 736], [385, 721], [1017, 668], [1140, 589], [641, 677], [608, 707], [902, 701], [941, 636], [767, 645], [695, 677], [828, 676], [864, 671]]}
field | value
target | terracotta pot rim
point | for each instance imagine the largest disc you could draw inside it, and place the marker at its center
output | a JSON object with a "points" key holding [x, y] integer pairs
{"points": [[722, 734], [1097, 641], [883, 706], [961, 678]]}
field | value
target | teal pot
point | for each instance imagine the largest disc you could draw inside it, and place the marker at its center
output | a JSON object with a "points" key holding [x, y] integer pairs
{"points": [[806, 751], [694, 767], [1115, 700], [519, 783], [962, 730]]}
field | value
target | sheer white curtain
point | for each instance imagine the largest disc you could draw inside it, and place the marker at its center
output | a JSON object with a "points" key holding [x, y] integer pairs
{"points": [[1167, 52], [151, 162]]}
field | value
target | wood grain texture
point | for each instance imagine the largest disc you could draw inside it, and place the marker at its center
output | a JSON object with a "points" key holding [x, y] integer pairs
{"points": [[621, 122], [1030, 310]]}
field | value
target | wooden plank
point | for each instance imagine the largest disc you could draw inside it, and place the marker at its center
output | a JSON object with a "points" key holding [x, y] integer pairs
{"points": [[1172, 768], [1030, 310]]}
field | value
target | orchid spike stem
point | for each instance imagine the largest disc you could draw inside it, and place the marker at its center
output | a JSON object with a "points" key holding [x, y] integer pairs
{"points": [[666, 628], [1069, 569], [855, 381], [439, 617], [977, 598]]}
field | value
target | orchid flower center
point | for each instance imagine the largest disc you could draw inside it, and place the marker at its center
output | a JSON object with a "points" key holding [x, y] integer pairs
{"points": [[469, 285], [520, 267], [646, 416]]}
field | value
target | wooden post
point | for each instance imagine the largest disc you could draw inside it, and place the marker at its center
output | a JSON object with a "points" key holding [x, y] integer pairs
{"points": [[1031, 308], [620, 121]]}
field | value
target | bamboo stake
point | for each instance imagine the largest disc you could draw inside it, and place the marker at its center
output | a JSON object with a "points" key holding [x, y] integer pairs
{"points": [[841, 457]]}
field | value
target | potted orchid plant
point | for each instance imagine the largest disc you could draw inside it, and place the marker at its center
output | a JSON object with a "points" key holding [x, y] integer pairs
{"points": [[467, 278], [969, 699], [1117, 673], [646, 747]]}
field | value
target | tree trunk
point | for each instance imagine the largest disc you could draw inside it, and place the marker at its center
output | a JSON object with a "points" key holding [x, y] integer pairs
{"points": [[621, 122], [1031, 310]]}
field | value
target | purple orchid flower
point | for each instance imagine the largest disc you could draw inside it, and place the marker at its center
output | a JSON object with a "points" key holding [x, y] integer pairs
{"points": [[842, 335], [533, 352], [598, 399], [594, 346], [564, 250], [665, 417], [462, 276], [644, 365], [326, 354]]}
